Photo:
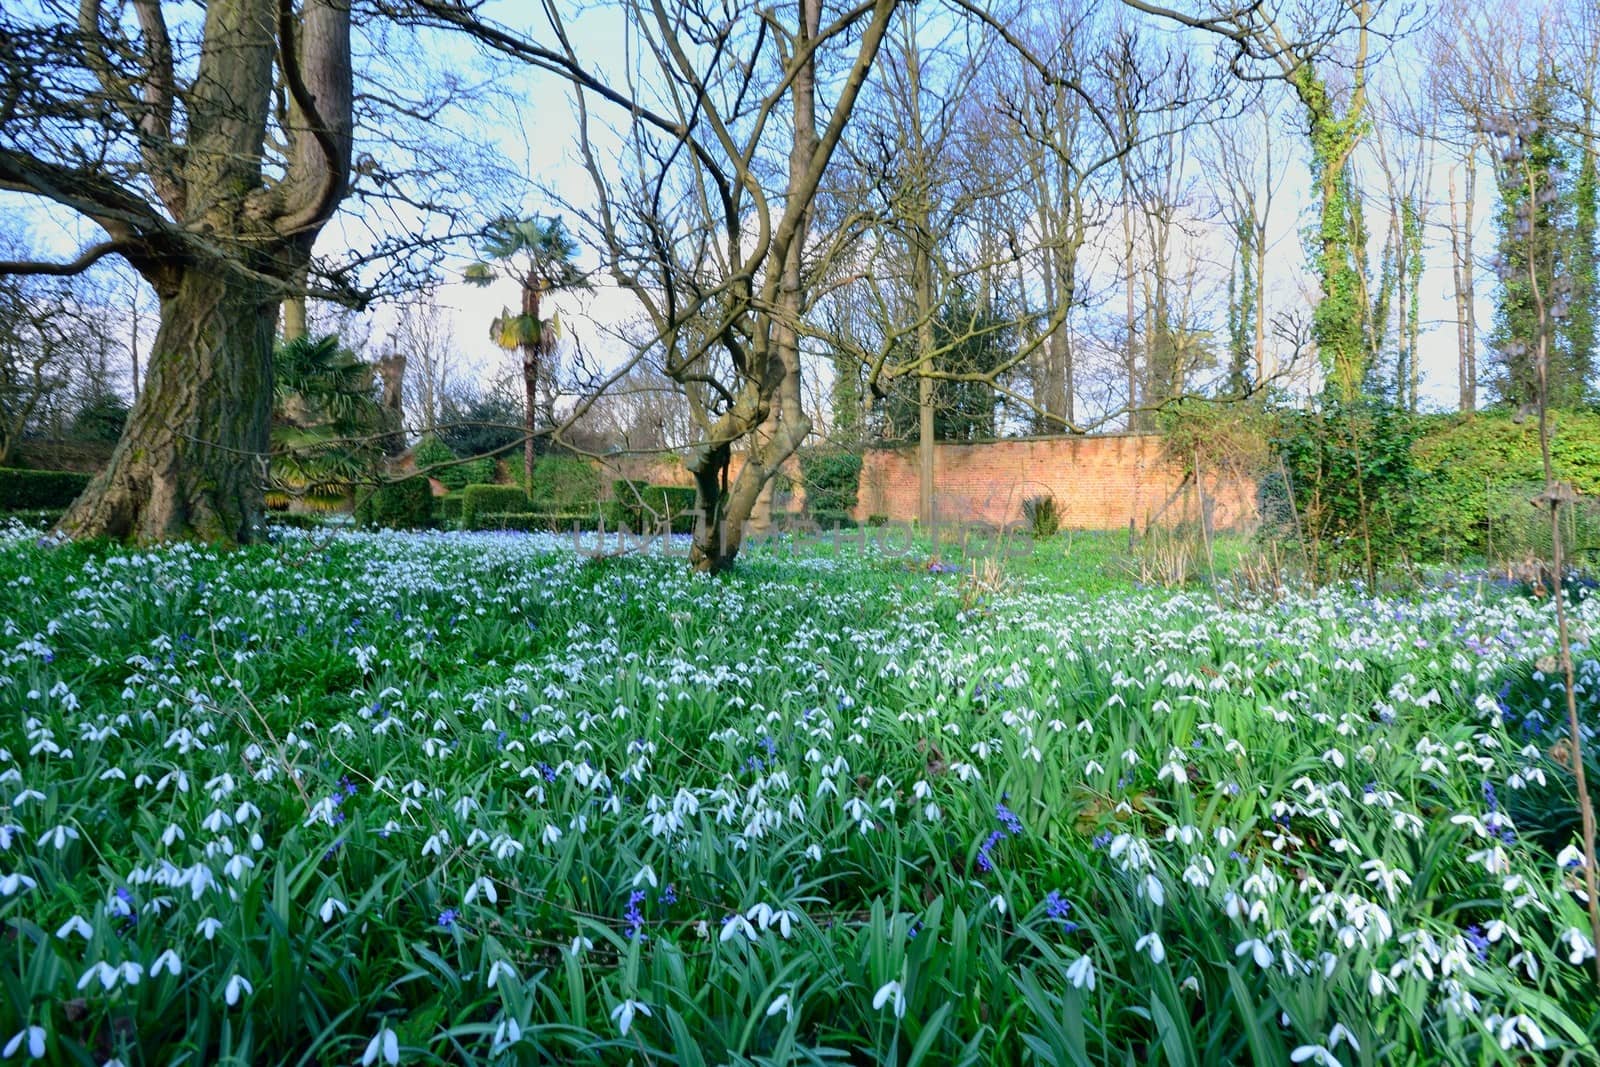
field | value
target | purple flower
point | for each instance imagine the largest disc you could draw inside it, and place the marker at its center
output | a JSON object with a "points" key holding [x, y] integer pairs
{"points": [[633, 915], [447, 918], [985, 863], [1009, 819], [669, 895]]}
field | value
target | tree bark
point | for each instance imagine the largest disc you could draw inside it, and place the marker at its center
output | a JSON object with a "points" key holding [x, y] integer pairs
{"points": [[530, 381], [191, 462]]}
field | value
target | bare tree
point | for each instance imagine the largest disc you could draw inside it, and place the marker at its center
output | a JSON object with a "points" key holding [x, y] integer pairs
{"points": [[423, 334]]}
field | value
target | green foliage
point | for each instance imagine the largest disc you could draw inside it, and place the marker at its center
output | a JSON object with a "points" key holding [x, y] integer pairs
{"points": [[640, 507], [567, 484], [326, 420], [449, 508], [406, 504], [479, 500], [101, 419], [969, 338], [1477, 476], [23, 489], [480, 425], [1039, 512], [1353, 482], [832, 480], [1538, 231]]}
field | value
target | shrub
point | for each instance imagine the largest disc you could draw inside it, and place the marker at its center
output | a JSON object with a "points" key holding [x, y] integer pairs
{"points": [[435, 460], [490, 499], [1039, 512], [450, 508], [834, 520], [640, 507], [565, 483], [403, 505], [21, 489], [877, 519], [833, 480]]}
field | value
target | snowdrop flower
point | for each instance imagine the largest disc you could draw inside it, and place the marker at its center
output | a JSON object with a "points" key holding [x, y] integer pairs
{"points": [[1259, 951], [646, 874], [1338, 1034], [780, 1003], [887, 992], [331, 907], [11, 883], [580, 944], [383, 1044], [624, 1013], [167, 960], [75, 925], [499, 967], [734, 925], [103, 971], [508, 1033], [239, 985], [34, 1036], [1314, 1054], [1081, 973], [208, 927], [1151, 942]]}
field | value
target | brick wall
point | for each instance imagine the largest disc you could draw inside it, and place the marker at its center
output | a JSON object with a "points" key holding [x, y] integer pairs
{"points": [[1100, 482]]}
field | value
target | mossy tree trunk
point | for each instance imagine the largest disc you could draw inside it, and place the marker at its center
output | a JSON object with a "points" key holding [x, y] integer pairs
{"points": [[190, 463]]}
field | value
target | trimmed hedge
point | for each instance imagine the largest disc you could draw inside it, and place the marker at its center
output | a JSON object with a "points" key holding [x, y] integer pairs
{"points": [[34, 490], [403, 505], [533, 521], [640, 507], [450, 508], [479, 500], [832, 479]]}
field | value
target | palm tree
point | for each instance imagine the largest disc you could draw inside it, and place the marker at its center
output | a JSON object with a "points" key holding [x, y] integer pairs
{"points": [[537, 253], [326, 423]]}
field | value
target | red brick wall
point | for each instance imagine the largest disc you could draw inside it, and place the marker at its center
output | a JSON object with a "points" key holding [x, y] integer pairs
{"points": [[1099, 483]]}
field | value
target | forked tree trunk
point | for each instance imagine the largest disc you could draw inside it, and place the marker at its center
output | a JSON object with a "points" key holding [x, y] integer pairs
{"points": [[192, 461]]}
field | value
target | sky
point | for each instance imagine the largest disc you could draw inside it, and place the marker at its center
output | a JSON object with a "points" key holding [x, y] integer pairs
{"points": [[537, 136]]}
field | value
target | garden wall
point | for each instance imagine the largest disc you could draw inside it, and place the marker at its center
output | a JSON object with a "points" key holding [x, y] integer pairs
{"points": [[1101, 482]]}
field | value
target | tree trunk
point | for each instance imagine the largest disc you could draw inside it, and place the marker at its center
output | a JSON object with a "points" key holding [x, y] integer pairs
{"points": [[192, 460], [530, 382]]}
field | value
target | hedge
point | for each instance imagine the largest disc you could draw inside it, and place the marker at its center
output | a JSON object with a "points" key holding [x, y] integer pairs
{"points": [[479, 500], [449, 508], [640, 507], [533, 521], [832, 480], [21, 489], [403, 505], [564, 483]]}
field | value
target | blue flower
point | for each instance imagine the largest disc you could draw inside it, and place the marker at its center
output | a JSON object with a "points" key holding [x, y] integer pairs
{"points": [[447, 918], [633, 915]]}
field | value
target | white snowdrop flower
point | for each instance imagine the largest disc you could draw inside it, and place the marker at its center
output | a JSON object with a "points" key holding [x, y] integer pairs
{"points": [[1579, 944], [1520, 1030], [1080, 972], [814, 853], [1151, 887], [1151, 942], [780, 1003], [552, 834], [735, 925], [331, 907], [167, 961], [998, 903], [1339, 1034], [11, 884], [75, 925], [34, 1036], [508, 1033], [646, 875], [623, 1014], [1190, 984], [1379, 984], [1259, 950], [499, 967], [208, 927], [580, 945], [483, 887], [890, 993], [103, 972], [1314, 1054], [238, 985], [383, 1044]]}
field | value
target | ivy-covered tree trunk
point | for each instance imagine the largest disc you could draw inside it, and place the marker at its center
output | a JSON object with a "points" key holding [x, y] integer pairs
{"points": [[191, 461]]}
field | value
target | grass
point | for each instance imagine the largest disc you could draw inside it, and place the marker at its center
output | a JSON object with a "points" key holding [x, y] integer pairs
{"points": [[475, 798]]}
